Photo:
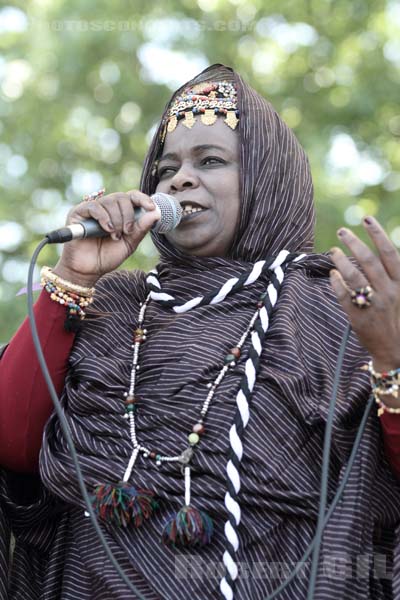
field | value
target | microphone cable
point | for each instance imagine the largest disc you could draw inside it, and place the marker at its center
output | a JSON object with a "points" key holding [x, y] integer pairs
{"points": [[65, 427], [325, 467], [334, 503], [323, 515]]}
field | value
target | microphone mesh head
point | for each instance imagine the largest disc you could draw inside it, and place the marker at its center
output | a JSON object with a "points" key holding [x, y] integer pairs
{"points": [[171, 212]]}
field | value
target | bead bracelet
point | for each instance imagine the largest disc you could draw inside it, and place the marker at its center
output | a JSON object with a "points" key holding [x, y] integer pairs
{"points": [[74, 302], [386, 383], [47, 274]]}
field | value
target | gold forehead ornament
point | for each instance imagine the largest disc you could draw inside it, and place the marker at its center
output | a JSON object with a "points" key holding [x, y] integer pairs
{"points": [[207, 100]]}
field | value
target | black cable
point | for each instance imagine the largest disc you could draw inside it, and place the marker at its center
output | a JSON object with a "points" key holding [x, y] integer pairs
{"points": [[322, 518], [325, 466], [338, 495], [65, 427]]}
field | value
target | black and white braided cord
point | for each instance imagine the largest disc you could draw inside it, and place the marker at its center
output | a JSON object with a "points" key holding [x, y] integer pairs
{"points": [[240, 421], [217, 295], [276, 268]]}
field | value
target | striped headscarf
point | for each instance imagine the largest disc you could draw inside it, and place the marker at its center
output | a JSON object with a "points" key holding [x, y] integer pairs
{"points": [[282, 442], [277, 209]]}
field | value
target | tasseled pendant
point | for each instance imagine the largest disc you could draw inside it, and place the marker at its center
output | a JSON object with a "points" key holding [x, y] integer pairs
{"points": [[123, 504], [189, 527]]}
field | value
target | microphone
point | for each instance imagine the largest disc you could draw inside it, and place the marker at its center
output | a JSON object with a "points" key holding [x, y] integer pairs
{"points": [[170, 216]]}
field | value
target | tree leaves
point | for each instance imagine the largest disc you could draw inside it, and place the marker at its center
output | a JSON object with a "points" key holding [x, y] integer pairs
{"points": [[82, 88]]}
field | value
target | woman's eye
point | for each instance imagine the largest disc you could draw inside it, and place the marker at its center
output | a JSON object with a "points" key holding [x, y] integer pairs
{"points": [[213, 160], [209, 160], [165, 170]]}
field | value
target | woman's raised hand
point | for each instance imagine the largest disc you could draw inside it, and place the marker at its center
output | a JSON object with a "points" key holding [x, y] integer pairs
{"points": [[377, 325], [85, 261]]}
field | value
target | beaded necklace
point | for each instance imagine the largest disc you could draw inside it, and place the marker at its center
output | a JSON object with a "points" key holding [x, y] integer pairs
{"points": [[122, 503], [189, 526]]}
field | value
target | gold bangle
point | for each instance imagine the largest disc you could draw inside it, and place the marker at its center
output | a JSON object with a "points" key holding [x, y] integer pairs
{"points": [[46, 273]]}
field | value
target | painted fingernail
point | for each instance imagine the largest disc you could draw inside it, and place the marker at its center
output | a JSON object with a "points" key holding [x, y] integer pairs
{"points": [[110, 225], [368, 220], [341, 232]]}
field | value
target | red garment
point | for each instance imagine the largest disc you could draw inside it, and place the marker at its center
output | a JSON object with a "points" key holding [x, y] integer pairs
{"points": [[391, 438], [25, 403]]}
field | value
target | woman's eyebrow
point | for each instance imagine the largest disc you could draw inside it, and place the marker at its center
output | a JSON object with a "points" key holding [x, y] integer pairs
{"points": [[195, 150]]}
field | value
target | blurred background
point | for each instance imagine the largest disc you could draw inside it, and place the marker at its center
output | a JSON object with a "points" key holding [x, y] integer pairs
{"points": [[82, 86]]}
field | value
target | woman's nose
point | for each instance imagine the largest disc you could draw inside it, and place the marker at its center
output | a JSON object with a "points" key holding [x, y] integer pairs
{"points": [[183, 178]]}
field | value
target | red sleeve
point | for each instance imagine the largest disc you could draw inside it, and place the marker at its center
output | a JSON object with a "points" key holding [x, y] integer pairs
{"points": [[391, 437], [25, 403]]}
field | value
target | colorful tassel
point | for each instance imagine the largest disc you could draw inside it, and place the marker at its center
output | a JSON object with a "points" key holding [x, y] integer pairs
{"points": [[122, 504], [189, 527]]}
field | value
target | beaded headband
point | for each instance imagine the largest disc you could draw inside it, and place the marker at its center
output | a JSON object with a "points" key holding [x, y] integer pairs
{"points": [[209, 100]]}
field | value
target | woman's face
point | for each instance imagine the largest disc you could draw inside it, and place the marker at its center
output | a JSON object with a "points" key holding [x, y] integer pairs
{"points": [[200, 167]]}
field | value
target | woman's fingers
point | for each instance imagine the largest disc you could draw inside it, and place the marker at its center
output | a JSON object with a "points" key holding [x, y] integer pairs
{"points": [[388, 253], [368, 261], [380, 271], [351, 277], [134, 200], [378, 326], [116, 213], [341, 289], [140, 199], [94, 210]]}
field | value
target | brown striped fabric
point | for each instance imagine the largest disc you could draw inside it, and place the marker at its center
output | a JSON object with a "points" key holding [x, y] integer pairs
{"points": [[57, 555]]}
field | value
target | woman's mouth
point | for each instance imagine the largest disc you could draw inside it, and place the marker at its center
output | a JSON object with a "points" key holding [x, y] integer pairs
{"points": [[190, 210]]}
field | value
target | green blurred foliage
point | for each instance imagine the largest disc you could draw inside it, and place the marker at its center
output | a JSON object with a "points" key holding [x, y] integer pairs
{"points": [[82, 86]]}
